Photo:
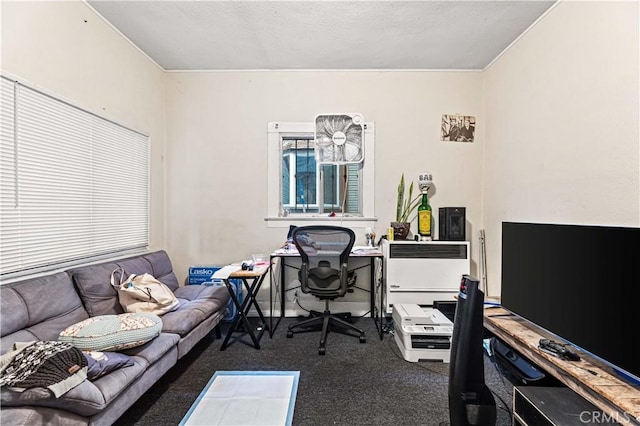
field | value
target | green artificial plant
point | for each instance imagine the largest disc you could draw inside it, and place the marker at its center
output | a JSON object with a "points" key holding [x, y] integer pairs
{"points": [[407, 205]]}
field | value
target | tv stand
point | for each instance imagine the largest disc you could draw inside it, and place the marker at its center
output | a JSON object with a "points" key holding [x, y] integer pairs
{"points": [[604, 389]]}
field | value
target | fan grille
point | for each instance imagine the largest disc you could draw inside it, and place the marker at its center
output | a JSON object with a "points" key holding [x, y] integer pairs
{"points": [[339, 138]]}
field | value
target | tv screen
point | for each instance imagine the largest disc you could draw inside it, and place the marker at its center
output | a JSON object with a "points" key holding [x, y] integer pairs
{"points": [[579, 283]]}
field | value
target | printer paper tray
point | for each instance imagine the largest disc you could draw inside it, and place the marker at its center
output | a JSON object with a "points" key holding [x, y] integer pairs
{"points": [[421, 290], [418, 297]]}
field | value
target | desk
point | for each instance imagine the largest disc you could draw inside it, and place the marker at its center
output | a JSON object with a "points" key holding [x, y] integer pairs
{"points": [[252, 280], [377, 282], [606, 391]]}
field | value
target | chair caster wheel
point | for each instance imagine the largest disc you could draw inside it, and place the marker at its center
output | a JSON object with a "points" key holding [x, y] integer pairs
{"points": [[321, 351], [289, 334], [363, 339]]}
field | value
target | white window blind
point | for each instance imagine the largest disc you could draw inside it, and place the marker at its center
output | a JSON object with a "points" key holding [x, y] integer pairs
{"points": [[74, 185]]}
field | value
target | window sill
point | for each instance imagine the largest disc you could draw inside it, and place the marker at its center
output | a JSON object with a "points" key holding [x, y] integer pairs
{"points": [[348, 221]]}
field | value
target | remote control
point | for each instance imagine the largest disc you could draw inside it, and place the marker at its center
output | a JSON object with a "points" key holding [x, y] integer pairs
{"points": [[557, 349]]}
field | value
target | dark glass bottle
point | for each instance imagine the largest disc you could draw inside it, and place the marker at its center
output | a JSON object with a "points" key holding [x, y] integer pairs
{"points": [[424, 217]]}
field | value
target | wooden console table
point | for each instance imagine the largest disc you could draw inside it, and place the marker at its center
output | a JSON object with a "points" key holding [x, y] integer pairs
{"points": [[603, 389]]}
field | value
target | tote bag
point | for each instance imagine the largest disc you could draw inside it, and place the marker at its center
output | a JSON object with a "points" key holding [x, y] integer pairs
{"points": [[143, 293]]}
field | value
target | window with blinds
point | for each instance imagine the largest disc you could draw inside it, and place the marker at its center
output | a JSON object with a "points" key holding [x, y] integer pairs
{"points": [[73, 186]]}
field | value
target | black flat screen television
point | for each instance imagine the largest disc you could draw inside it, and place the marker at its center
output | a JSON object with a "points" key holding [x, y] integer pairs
{"points": [[578, 282]]}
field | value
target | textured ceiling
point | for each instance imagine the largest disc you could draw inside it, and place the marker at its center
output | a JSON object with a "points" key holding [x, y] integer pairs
{"points": [[238, 35]]}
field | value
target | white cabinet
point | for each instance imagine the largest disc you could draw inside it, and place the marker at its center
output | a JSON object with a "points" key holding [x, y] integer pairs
{"points": [[421, 272]]}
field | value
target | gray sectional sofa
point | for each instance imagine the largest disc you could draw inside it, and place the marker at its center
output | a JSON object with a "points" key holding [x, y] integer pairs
{"points": [[40, 308]]}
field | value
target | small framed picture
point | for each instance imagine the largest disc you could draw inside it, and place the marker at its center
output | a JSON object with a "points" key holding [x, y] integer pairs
{"points": [[457, 128]]}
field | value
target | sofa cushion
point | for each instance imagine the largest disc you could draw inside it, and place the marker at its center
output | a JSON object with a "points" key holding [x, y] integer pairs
{"points": [[91, 397], [41, 416], [101, 363], [112, 332], [94, 287], [93, 282], [162, 269], [197, 303], [86, 399], [152, 351], [135, 265], [33, 309]]}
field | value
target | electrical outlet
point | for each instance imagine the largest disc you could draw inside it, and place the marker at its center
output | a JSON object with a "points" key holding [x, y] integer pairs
{"points": [[292, 295]]}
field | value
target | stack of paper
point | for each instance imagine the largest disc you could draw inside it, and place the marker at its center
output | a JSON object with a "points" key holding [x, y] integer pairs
{"points": [[224, 272]]}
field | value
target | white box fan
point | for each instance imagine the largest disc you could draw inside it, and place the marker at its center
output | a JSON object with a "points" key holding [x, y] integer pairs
{"points": [[339, 138]]}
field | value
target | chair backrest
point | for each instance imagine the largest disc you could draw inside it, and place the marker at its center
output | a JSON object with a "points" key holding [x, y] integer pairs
{"points": [[324, 251]]}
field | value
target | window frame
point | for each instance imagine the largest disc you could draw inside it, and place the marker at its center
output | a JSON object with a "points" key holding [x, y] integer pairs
{"points": [[278, 130]]}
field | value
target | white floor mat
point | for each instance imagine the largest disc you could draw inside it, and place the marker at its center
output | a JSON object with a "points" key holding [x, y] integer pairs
{"points": [[244, 398]]}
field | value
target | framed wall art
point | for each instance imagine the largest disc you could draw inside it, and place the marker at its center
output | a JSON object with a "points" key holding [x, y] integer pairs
{"points": [[457, 128]]}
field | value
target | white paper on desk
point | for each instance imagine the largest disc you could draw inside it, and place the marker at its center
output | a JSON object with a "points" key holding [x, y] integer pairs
{"points": [[224, 272], [291, 251], [365, 250]]}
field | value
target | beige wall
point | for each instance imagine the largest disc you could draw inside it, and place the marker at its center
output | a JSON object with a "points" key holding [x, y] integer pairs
{"points": [[67, 50], [217, 147], [561, 137], [557, 126]]}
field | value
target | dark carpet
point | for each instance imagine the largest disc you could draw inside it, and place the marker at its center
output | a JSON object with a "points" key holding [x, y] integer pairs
{"points": [[353, 384]]}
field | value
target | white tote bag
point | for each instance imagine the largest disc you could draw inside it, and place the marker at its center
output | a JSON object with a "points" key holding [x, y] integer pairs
{"points": [[143, 293]]}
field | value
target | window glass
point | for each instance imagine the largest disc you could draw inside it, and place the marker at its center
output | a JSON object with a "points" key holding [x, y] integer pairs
{"points": [[308, 187]]}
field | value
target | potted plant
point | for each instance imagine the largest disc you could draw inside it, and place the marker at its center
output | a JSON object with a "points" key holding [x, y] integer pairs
{"points": [[404, 208]]}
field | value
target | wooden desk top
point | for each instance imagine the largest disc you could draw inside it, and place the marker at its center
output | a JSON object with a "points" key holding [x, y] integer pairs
{"points": [[605, 390], [258, 271]]}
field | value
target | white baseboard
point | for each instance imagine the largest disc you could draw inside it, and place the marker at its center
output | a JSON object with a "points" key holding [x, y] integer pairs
{"points": [[291, 309]]}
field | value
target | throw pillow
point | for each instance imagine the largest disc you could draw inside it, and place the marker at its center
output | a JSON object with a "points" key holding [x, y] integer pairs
{"points": [[112, 332], [101, 363]]}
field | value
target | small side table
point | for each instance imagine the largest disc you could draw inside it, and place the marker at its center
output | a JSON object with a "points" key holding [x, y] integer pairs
{"points": [[252, 280]]}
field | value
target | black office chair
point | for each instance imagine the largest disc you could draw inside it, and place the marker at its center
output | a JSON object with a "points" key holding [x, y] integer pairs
{"points": [[324, 251]]}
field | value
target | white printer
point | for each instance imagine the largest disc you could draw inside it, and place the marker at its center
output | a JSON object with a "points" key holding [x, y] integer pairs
{"points": [[422, 334]]}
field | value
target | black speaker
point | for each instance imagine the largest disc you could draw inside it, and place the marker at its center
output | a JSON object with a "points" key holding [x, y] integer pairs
{"points": [[452, 224], [516, 368]]}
